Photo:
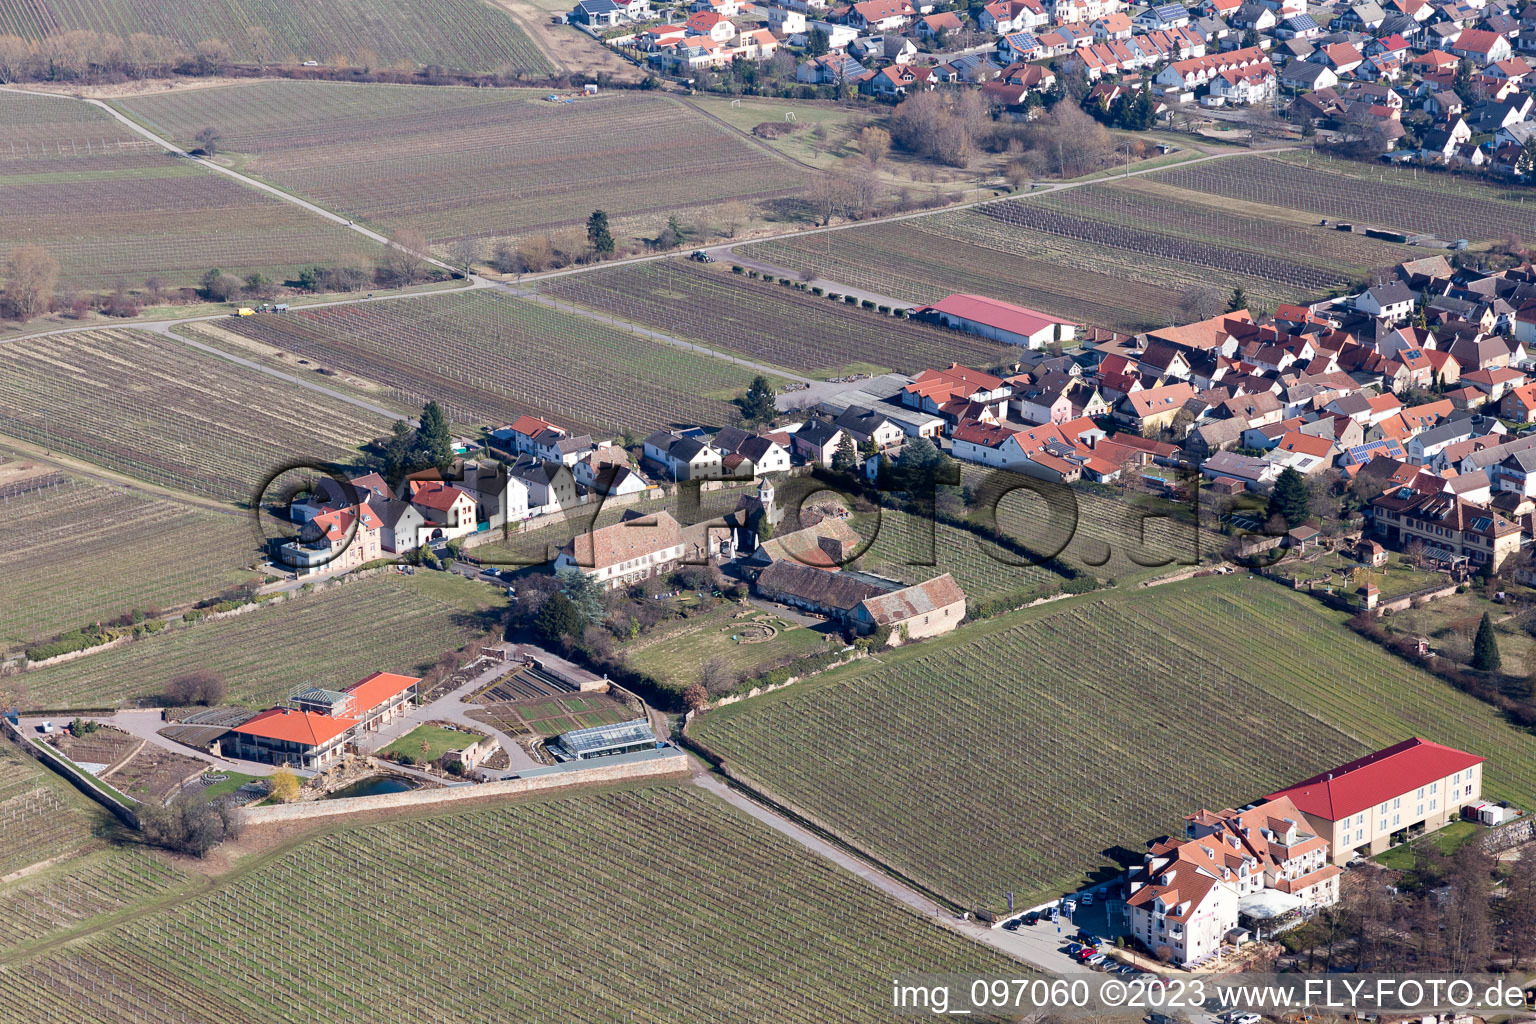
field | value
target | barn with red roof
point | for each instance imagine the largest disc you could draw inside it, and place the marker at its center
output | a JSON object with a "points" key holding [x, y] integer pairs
{"points": [[1000, 321]]}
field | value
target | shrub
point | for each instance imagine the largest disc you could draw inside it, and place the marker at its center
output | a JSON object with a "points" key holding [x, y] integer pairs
{"points": [[852, 300], [187, 826], [867, 304], [818, 290], [885, 309], [736, 268]]}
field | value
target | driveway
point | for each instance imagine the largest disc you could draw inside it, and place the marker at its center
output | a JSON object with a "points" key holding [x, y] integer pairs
{"points": [[146, 725], [452, 707]]}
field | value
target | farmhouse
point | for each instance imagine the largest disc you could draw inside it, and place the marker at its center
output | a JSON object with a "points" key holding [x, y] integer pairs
{"points": [[1384, 798], [626, 552], [1452, 530], [315, 730], [927, 609], [1000, 321]]}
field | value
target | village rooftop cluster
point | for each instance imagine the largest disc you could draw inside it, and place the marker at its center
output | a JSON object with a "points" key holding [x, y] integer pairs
{"points": [[1435, 82]]}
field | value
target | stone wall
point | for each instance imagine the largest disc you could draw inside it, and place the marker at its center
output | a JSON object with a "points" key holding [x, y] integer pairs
{"points": [[1513, 834], [85, 783], [661, 767]]}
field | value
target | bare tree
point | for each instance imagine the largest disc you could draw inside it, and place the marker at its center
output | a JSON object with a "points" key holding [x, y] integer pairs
{"points": [[536, 253], [30, 277], [208, 140], [15, 52], [465, 252], [1201, 301], [718, 677], [404, 258], [262, 46], [202, 686], [874, 143], [212, 56]]}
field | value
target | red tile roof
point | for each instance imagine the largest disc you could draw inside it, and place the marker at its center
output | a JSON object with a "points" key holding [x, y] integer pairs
{"points": [[1004, 316], [1374, 778], [304, 727], [378, 688]]}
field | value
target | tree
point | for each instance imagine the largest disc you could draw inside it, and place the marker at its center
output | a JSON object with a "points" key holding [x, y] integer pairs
{"points": [[188, 825], [395, 454], [558, 617], [717, 676], [1485, 647], [404, 257], [218, 286], [874, 143], [284, 786], [1200, 302], [208, 140], [1291, 499], [585, 593], [15, 52], [200, 686], [696, 698], [598, 235], [1238, 301], [433, 442], [1464, 84], [757, 403], [1525, 165], [258, 285], [846, 458], [30, 277], [212, 55], [816, 43]]}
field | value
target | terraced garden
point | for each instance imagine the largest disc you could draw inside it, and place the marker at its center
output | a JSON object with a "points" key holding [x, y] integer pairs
{"points": [[158, 410], [1134, 247], [728, 921], [111, 207], [1238, 687], [457, 34], [75, 552], [1366, 194], [466, 163], [770, 322], [490, 358], [403, 623]]}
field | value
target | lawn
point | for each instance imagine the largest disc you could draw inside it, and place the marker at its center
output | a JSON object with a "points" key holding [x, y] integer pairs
{"points": [[479, 163], [113, 208], [331, 638], [1447, 840], [741, 926], [156, 409], [1135, 247], [438, 741], [75, 551], [771, 322], [674, 652], [231, 782], [1398, 577], [1031, 730], [490, 358], [463, 35]]}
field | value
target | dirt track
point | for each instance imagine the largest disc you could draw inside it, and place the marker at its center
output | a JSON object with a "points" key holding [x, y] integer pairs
{"points": [[570, 49]]}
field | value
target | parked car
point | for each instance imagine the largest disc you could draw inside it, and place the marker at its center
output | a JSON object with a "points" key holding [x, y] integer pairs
{"points": [[1247, 1018], [1011, 926], [1096, 960], [1032, 918], [1087, 899]]}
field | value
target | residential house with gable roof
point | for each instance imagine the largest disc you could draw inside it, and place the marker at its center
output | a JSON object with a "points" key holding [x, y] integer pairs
{"points": [[627, 552]]}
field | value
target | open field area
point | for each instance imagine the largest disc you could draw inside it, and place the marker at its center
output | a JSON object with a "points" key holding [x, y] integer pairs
{"points": [[111, 207], [489, 358], [758, 929], [770, 322], [1238, 686], [674, 653], [1134, 246], [482, 164], [156, 409], [76, 551], [460, 35], [403, 623], [1365, 194]]}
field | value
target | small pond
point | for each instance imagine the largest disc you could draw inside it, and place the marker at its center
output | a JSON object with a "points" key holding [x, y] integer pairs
{"points": [[375, 786]]}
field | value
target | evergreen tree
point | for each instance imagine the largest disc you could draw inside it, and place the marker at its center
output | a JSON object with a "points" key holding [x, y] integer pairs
{"points": [[434, 442], [396, 452], [558, 617], [757, 404], [816, 43], [585, 593], [1290, 499], [1525, 166], [846, 458], [1485, 649], [598, 234], [1239, 300], [1464, 84]]}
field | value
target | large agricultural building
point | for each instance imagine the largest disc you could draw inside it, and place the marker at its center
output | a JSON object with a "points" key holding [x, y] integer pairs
{"points": [[1000, 321], [604, 741]]}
